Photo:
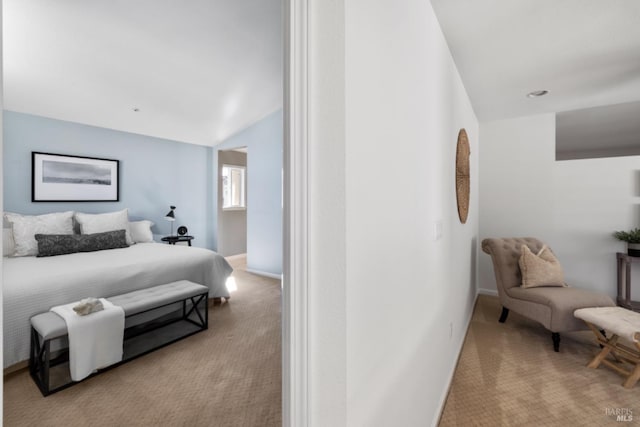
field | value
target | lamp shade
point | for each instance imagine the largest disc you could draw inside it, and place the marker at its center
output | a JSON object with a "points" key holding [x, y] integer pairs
{"points": [[171, 216]]}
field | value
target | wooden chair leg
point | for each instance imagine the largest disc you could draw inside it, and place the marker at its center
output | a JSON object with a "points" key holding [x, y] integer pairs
{"points": [[603, 341], [604, 334], [611, 342], [633, 378], [503, 316], [555, 337], [635, 375], [611, 347]]}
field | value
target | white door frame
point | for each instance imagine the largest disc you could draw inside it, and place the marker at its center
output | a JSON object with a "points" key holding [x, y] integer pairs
{"points": [[295, 393]]}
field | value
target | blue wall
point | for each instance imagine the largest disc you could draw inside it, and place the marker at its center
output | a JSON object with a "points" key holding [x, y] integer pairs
{"points": [[154, 173], [264, 191]]}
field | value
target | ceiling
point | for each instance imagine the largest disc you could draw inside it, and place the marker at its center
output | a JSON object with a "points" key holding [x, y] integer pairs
{"points": [[201, 73], [586, 53], [196, 71]]}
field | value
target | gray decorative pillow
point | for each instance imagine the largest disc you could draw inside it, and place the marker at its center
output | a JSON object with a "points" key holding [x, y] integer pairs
{"points": [[100, 241], [62, 244], [56, 244]]}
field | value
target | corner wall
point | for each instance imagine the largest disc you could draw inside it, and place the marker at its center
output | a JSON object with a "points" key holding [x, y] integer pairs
{"points": [[574, 205], [410, 295], [264, 141]]}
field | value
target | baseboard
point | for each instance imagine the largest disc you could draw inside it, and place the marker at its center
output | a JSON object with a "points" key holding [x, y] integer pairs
{"points": [[491, 292], [264, 273], [445, 395], [16, 367], [443, 399]]}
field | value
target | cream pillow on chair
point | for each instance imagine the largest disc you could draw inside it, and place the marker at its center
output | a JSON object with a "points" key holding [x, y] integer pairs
{"points": [[541, 269]]}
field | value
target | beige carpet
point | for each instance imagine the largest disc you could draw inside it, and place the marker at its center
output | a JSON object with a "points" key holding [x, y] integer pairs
{"points": [[229, 375], [509, 375]]}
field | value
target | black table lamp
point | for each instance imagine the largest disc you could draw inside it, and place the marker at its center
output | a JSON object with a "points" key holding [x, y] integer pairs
{"points": [[171, 217]]}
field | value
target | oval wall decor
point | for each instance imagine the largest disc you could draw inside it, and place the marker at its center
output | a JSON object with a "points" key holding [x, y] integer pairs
{"points": [[463, 179]]}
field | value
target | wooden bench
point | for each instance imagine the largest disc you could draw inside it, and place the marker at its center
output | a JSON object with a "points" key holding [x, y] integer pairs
{"points": [[623, 324], [154, 317]]}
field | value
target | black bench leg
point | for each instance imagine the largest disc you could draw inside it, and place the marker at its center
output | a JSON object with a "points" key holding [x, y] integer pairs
{"points": [[556, 341], [503, 316], [47, 363]]}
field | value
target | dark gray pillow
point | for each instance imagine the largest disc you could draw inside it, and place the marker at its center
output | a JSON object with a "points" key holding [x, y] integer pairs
{"points": [[62, 244], [100, 241], [56, 244]]}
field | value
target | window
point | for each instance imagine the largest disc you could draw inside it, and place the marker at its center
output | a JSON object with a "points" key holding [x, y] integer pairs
{"points": [[234, 187]]}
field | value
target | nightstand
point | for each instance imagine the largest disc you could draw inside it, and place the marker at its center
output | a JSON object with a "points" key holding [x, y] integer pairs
{"points": [[172, 240]]}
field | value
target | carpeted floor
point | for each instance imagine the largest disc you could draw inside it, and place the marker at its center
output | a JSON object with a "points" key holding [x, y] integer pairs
{"points": [[509, 375], [229, 375]]}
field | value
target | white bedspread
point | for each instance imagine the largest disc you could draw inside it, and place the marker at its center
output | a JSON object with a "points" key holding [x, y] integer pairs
{"points": [[33, 285], [95, 340]]}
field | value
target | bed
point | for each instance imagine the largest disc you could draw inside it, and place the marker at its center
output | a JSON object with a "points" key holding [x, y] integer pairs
{"points": [[32, 285]]}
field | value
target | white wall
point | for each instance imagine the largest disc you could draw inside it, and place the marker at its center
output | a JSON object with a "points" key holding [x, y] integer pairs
{"points": [[573, 205], [326, 246], [404, 289], [1, 190], [382, 291]]}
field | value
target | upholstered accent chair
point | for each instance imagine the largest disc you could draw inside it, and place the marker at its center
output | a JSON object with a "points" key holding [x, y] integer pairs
{"points": [[552, 307]]}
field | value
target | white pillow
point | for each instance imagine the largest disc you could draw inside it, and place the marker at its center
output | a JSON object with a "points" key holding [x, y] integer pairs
{"points": [[8, 245], [25, 227], [99, 223], [141, 231]]}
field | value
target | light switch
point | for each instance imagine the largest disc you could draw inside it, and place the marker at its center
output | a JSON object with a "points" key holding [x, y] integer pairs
{"points": [[437, 230]]}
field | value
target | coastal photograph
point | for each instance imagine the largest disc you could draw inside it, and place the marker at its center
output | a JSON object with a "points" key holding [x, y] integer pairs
{"points": [[64, 178], [75, 173]]}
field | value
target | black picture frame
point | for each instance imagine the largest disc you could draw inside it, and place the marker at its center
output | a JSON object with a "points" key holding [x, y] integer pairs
{"points": [[69, 178]]}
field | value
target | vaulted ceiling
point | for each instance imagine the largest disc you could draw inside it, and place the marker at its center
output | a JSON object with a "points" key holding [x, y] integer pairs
{"points": [[195, 71], [201, 70]]}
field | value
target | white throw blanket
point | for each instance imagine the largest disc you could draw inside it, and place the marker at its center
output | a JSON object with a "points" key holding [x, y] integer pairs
{"points": [[95, 340]]}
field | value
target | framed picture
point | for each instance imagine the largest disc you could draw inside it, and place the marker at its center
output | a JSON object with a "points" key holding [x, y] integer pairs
{"points": [[63, 178]]}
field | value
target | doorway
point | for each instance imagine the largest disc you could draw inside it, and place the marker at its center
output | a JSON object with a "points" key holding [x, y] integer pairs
{"points": [[232, 201]]}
